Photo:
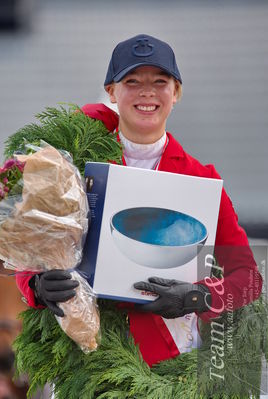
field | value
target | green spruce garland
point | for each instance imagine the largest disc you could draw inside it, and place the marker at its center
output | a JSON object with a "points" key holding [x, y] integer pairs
{"points": [[116, 369], [86, 139]]}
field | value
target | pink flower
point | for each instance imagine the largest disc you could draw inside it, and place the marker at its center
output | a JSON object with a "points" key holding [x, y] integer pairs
{"points": [[9, 163], [10, 174]]}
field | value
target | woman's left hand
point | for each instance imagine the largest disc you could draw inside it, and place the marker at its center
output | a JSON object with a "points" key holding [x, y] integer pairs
{"points": [[176, 298]]}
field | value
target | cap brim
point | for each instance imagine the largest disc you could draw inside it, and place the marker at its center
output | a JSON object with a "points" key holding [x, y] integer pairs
{"points": [[127, 70]]}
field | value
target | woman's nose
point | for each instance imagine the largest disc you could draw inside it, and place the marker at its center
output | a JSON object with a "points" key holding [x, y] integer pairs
{"points": [[147, 90]]}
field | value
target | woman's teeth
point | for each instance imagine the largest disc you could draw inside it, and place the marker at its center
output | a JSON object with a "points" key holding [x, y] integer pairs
{"points": [[146, 108]]}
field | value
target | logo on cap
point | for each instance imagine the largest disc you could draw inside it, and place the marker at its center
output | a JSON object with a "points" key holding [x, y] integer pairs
{"points": [[143, 48]]}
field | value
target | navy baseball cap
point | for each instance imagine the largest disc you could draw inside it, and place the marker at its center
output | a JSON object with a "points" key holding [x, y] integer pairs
{"points": [[139, 51]]}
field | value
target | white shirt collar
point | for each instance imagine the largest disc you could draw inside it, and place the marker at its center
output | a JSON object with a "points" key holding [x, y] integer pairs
{"points": [[143, 151]]}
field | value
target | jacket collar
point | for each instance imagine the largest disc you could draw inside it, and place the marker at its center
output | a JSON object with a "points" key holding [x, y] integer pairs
{"points": [[174, 149]]}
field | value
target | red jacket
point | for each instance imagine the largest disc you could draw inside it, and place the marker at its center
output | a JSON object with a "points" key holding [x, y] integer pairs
{"points": [[242, 281]]}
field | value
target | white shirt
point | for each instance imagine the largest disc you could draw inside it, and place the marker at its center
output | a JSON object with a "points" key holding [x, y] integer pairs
{"points": [[145, 156]]}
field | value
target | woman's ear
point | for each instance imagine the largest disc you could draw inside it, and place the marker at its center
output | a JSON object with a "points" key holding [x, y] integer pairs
{"points": [[177, 91], [110, 90]]}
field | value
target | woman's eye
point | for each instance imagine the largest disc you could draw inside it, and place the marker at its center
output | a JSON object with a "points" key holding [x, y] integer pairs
{"points": [[160, 81], [131, 81]]}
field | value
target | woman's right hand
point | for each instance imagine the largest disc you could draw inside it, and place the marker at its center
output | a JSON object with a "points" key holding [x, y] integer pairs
{"points": [[54, 286]]}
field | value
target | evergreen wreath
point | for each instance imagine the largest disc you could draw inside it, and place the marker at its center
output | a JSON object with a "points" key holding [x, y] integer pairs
{"points": [[116, 369]]}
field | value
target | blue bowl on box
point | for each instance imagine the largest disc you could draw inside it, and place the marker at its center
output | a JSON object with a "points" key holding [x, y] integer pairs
{"points": [[157, 237]]}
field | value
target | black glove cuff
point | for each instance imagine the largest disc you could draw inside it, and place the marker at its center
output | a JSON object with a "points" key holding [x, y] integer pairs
{"points": [[33, 284], [199, 299], [207, 300]]}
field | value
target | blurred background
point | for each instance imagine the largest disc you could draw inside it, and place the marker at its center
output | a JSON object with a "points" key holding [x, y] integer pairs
{"points": [[58, 51]]}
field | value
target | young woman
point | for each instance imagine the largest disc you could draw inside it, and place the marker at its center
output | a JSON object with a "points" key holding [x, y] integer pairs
{"points": [[144, 81]]}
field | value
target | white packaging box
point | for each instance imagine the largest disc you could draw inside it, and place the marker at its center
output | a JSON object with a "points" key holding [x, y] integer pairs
{"points": [[164, 220]]}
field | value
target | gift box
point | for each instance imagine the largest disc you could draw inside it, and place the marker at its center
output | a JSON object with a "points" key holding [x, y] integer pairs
{"points": [[146, 223]]}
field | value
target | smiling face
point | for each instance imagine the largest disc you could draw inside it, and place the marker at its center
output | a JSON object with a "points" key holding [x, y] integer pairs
{"points": [[144, 98]]}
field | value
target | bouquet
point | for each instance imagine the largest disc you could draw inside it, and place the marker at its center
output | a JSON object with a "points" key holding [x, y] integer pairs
{"points": [[43, 224]]}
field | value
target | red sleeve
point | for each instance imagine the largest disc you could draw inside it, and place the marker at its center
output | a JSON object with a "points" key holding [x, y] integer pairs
{"points": [[242, 282], [22, 280], [102, 113]]}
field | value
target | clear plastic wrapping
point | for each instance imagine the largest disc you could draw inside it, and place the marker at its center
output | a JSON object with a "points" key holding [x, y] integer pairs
{"points": [[49, 222], [81, 324], [44, 228]]}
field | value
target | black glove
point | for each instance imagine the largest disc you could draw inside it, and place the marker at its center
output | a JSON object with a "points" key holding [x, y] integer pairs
{"points": [[176, 298], [53, 286]]}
